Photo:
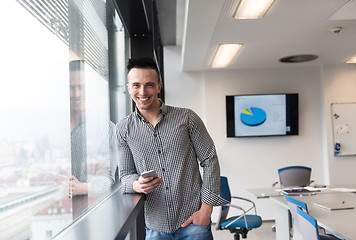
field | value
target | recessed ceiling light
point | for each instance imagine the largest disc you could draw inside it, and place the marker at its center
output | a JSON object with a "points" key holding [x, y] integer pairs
{"points": [[351, 60], [336, 30], [225, 55], [298, 58], [252, 9]]}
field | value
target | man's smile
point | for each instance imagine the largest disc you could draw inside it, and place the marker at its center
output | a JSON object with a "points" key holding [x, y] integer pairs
{"points": [[143, 99]]}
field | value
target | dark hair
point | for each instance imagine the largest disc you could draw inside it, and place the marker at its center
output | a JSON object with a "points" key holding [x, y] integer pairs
{"points": [[76, 65], [142, 63]]}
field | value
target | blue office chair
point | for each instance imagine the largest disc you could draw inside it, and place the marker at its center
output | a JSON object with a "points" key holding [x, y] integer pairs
{"points": [[294, 176], [292, 205], [308, 226], [241, 224]]}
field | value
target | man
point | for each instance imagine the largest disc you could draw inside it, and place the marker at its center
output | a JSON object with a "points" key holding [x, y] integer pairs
{"points": [[168, 140]]}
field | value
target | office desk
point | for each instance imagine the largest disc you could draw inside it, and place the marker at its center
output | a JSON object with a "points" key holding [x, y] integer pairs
{"points": [[275, 192], [341, 223]]}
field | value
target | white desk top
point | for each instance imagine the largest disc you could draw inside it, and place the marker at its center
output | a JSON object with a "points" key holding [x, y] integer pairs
{"points": [[340, 222]]}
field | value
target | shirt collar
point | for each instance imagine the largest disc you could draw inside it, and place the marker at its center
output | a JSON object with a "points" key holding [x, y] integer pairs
{"points": [[163, 109]]}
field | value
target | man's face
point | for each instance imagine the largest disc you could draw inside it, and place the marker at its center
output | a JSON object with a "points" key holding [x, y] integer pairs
{"points": [[77, 91], [143, 86]]}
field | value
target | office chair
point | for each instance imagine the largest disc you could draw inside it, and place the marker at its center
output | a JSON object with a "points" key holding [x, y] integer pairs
{"points": [[241, 224], [294, 176], [292, 205], [308, 226]]}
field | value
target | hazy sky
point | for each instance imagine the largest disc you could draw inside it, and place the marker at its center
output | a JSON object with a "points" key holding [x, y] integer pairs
{"points": [[34, 84], [34, 94]]}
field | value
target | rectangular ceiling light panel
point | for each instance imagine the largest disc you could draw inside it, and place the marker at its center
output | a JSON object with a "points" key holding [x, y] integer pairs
{"points": [[225, 54], [351, 60], [252, 9]]}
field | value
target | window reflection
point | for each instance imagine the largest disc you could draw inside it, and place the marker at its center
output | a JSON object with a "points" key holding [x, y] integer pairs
{"points": [[93, 141], [79, 178]]}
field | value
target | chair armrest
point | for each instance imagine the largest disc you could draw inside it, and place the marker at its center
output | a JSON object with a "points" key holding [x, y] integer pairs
{"points": [[241, 198], [247, 200], [331, 237], [235, 206]]}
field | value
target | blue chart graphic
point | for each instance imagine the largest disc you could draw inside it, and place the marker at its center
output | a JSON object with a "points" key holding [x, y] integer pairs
{"points": [[253, 116]]}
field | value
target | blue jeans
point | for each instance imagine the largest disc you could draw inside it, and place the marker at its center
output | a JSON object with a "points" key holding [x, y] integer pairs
{"points": [[191, 232]]}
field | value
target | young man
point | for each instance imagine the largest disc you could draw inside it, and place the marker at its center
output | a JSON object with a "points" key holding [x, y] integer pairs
{"points": [[168, 140]]}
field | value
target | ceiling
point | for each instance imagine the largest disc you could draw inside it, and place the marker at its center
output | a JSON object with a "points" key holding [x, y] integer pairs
{"points": [[290, 27]]}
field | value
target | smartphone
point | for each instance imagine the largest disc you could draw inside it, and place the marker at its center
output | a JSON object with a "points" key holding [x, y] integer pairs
{"points": [[151, 173]]}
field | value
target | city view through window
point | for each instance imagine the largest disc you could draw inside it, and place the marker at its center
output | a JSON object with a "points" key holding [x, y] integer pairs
{"points": [[57, 143]]}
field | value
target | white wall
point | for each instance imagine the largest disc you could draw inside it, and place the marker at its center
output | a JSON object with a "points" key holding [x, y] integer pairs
{"points": [[253, 162], [340, 86], [183, 89]]}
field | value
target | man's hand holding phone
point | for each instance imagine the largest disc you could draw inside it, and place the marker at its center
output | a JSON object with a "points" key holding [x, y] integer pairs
{"points": [[147, 182]]}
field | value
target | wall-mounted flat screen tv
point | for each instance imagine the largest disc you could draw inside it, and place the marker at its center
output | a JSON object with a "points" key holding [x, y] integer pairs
{"points": [[262, 115]]}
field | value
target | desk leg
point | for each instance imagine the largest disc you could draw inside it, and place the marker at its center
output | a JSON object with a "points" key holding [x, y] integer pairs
{"points": [[282, 222]]}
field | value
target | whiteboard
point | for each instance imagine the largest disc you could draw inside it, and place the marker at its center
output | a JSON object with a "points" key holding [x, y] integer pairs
{"points": [[344, 128]]}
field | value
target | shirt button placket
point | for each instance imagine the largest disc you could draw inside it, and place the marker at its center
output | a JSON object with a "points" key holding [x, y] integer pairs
{"points": [[168, 198], [159, 151]]}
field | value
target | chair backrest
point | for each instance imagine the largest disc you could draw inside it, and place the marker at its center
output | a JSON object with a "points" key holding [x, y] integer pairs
{"points": [[293, 204], [308, 225], [225, 194], [294, 176]]}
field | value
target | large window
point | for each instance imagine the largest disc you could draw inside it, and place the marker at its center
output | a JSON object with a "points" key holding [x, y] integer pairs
{"points": [[62, 71]]}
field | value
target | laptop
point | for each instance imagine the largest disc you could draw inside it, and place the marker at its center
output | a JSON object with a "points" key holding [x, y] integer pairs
{"points": [[334, 205], [298, 192]]}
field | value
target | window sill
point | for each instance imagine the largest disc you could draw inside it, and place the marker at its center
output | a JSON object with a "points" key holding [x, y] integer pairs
{"points": [[113, 218]]}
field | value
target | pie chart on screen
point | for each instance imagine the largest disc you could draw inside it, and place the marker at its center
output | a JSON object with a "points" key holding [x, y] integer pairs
{"points": [[253, 116]]}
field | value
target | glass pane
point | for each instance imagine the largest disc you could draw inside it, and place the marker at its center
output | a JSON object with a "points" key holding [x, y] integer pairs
{"points": [[57, 143], [93, 139], [93, 148], [34, 127]]}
